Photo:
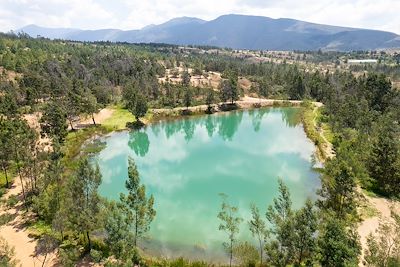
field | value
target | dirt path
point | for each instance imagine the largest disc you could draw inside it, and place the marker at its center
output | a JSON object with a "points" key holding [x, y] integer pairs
{"points": [[244, 103], [380, 208], [17, 235], [326, 146]]}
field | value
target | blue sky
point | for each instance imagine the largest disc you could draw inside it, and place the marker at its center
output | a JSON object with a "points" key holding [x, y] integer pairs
{"points": [[134, 14]]}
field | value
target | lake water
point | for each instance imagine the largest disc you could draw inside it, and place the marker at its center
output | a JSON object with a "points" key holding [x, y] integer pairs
{"points": [[187, 163]]}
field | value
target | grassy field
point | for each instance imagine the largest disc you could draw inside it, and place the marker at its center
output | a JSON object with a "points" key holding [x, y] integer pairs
{"points": [[10, 175], [118, 120]]}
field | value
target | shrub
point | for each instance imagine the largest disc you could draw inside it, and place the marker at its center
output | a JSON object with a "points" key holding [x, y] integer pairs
{"points": [[12, 201]]}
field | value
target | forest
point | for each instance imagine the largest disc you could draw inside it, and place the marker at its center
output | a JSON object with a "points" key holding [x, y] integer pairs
{"points": [[64, 80]]}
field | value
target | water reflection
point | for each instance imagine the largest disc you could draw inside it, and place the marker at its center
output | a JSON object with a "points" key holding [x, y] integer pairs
{"points": [[229, 124], [139, 142], [291, 116], [190, 161], [257, 116]]}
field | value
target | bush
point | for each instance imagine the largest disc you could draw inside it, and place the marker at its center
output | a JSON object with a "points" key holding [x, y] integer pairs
{"points": [[2, 191], [69, 256], [96, 255], [6, 218], [12, 201]]}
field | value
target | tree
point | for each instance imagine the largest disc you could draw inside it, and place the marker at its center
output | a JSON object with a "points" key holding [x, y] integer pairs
{"points": [[117, 227], [6, 136], [139, 208], [338, 245], [384, 246], [210, 99], [6, 254], [258, 229], [229, 89], [229, 224], [297, 89], [338, 189], [53, 122], [84, 200], [89, 105], [384, 161], [280, 250], [188, 97], [185, 78], [140, 107], [305, 227]]}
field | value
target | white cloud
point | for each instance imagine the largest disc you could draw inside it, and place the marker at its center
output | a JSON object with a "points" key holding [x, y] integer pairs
{"points": [[133, 14]]}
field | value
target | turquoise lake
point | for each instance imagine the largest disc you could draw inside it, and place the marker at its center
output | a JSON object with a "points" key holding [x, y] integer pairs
{"points": [[187, 163]]}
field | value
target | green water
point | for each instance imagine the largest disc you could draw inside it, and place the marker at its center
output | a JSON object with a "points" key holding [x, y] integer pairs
{"points": [[186, 163]]}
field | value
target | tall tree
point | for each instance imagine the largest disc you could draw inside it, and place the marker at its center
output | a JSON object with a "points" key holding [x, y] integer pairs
{"points": [[305, 227], [384, 245], [258, 229], [280, 250], [53, 122], [384, 161], [188, 97], [338, 245], [138, 206], [118, 230], [89, 105], [338, 189], [185, 78], [141, 107], [84, 200], [229, 224]]}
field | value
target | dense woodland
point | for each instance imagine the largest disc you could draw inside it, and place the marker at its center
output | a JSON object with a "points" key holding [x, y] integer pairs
{"points": [[63, 80]]}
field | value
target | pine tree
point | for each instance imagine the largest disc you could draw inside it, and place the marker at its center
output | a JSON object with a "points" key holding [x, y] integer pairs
{"points": [[229, 224], [84, 200], [139, 207]]}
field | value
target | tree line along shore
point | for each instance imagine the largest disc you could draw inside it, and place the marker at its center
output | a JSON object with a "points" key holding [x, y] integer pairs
{"points": [[59, 198]]}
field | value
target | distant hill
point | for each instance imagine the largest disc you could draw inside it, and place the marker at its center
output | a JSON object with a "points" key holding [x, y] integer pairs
{"points": [[236, 31]]}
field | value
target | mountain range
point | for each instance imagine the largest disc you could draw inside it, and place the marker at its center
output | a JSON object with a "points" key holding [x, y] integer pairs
{"points": [[235, 31]]}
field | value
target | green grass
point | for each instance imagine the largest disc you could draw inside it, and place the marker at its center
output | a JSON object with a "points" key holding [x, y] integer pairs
{"points": [[10, 175], [308, 117], [118, 119], [76, 139], [368, 212], [40, 228]]}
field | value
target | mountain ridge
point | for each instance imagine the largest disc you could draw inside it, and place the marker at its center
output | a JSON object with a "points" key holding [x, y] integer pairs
{"points": [[235, 31]]}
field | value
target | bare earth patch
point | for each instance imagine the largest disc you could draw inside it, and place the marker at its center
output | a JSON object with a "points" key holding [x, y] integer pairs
{"points": [[17, 235], [382, 208]]}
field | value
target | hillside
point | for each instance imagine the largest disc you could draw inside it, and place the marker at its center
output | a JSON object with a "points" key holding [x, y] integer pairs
{"points": [[236, 31]]}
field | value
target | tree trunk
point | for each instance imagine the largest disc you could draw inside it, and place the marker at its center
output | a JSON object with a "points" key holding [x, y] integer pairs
{"points": [[136, 229], [89, 243], [231, 252], [94, 122], [261, 252], [72, 126], [6, 176], [20, 177], [44, 260]]}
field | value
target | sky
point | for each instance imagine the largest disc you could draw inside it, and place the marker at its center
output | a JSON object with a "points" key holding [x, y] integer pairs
{"points": [[135, 14]]}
